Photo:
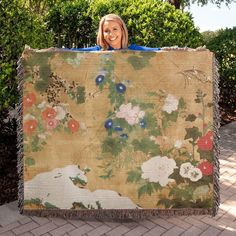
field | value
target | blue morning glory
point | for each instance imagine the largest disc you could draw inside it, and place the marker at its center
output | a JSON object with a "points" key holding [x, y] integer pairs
{"points": [[108, 124], [124, 136], [143, 123], [120, 88], [118, 128], [99, 79]]}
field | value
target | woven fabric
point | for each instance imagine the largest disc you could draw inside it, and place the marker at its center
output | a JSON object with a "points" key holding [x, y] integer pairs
{"points": [[123, 131]]}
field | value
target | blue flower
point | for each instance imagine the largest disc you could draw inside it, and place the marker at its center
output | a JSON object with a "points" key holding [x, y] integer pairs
{"points": [[124, 136], [99, 79], [120, 88], [118, 128], [143, 123], [108, 124]]}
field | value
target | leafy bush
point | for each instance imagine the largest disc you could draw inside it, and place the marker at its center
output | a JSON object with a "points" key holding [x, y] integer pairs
{"points": [[150, 22], [71, 24], [224, 46], [18, 27]]}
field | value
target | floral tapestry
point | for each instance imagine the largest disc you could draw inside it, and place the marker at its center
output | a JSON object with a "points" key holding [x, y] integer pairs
{"points": [[117, 131]]}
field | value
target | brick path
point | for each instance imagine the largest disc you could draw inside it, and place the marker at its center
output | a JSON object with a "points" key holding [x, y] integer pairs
{"points": [[224, 224]]}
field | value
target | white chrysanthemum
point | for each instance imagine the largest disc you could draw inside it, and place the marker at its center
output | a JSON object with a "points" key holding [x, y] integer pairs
{"points": [[171, 104], [61, 113], [185, 168], [194, 174], [158, 169], [178, 144]]}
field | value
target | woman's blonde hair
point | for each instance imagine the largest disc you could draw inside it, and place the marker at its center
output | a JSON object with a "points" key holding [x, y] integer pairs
{"points": [[100, 39]]}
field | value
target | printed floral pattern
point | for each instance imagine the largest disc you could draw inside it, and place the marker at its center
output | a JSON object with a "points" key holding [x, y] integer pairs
{"points": [[140, 136]]}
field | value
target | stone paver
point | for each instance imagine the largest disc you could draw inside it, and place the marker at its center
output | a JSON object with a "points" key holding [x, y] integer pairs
{"points": [[43, 229], [120, 230], [224, 224]]}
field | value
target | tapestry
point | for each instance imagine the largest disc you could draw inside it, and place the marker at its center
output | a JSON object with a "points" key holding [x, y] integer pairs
{"points": [[118, 133]]}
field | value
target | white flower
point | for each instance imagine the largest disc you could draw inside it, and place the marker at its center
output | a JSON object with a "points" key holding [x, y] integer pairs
{"points": [[184, 169], [171, 104], [194, 174], [158, 169], [61, 113], [42, 105], [131, 114], [178, 144]]}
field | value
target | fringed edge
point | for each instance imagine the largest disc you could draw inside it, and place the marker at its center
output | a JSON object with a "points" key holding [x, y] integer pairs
{"points": [[216, 137], [117, 213], [20, 151]]}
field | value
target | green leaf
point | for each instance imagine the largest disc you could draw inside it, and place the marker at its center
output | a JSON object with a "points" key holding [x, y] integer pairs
{"points": [[170, 117], [80, 94], [98, 204], [182, 104], [201, 192], [192, 133], [50, 206], [152, 125], [191, 118], [146, 146], [151, 94], [134, 175], [108, 175], [166, 202], [35, 201], [77, 180], [145, 189], [29, 161], [113, 145]]}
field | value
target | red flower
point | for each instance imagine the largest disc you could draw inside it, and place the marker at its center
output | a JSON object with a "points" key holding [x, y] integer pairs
{"points": [[205, 142], [51, 124], [206, 168], [29, 126], [49, 113], [29, 100], [73, 125]]}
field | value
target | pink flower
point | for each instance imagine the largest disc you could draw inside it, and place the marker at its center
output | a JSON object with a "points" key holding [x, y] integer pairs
{"points": [[131, 115], [51, 124]]}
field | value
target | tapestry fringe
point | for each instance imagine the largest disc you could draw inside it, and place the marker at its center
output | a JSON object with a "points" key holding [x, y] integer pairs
{"points": [[20, 150], [216, 136], [121, 214]]}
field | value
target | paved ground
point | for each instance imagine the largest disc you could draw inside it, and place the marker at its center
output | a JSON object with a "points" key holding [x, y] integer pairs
{"points": [[224, 224]]}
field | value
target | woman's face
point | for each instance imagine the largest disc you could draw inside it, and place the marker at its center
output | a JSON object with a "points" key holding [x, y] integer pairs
{"points": [[112, 33]]}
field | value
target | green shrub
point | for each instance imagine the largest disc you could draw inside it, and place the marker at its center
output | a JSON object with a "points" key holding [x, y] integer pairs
{"points": [[224, 46], [71, 24], [18, 27]]}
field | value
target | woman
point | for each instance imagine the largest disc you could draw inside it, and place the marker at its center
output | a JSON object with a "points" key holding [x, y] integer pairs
{"points": [[113, 35]]}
